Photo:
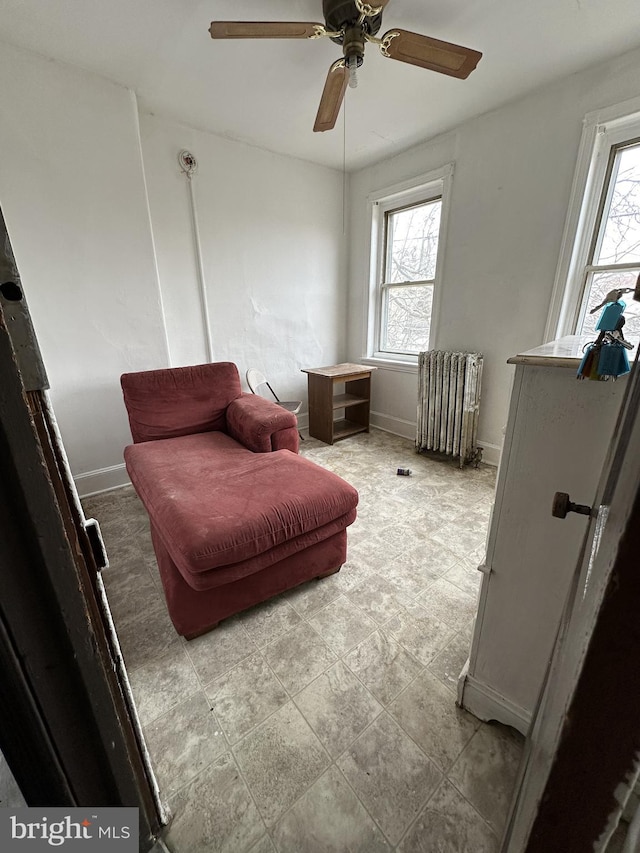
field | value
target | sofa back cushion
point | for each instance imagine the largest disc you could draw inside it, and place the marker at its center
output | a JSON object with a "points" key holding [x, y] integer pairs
{"points": [[179, 400]]}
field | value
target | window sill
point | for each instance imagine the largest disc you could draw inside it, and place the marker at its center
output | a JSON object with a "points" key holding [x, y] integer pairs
{"points": [[391, 364]]}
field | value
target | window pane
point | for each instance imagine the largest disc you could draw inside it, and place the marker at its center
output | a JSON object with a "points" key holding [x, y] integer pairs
{"points": [[408, 324], [412, 243], [621, 239], [600, 284]]}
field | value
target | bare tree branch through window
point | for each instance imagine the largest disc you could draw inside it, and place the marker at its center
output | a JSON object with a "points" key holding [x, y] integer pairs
{"points": [[412, 236], [617, 241]]}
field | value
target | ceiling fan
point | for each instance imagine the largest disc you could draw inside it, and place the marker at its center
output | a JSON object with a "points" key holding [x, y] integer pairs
{"points": [[351, 24]]}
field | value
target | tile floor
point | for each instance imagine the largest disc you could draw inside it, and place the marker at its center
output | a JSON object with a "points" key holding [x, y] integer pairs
{"points": [[325, 719], [10, 795]]}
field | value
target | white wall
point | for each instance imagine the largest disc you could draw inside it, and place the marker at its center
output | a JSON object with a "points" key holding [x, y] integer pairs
{"points": [[513, 174], [72, 193], [273, 249]]}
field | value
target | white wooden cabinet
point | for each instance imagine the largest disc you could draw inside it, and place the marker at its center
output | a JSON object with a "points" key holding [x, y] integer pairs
{"points": [[556, 438]]}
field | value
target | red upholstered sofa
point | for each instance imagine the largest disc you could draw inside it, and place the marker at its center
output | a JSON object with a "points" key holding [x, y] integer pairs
{"points": [[236, 515]]}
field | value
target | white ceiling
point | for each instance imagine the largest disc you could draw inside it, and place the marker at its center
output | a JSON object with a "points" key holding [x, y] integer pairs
{"points": [[266, 93]]}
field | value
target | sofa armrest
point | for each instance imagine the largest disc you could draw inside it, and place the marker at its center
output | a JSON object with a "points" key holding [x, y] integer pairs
{"points": [[261, 425]]}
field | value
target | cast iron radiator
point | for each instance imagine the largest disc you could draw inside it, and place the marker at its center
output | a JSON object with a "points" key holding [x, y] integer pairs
{"points": [[448, 403]]}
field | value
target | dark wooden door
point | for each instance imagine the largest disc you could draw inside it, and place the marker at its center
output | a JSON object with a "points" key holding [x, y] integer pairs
{"points": [[67, 729]]}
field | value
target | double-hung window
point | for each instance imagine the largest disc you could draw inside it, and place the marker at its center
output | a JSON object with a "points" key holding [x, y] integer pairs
{"points": [[408, 276], [602, 234], [613, 261], [407, 239]]}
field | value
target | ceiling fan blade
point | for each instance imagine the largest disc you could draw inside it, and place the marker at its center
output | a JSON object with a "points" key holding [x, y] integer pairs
{"points": [[332, 96], [262, 30], [426, 52]]}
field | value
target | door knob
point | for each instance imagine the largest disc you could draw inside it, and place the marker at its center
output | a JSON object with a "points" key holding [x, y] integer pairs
{"points": [[562, 506]]}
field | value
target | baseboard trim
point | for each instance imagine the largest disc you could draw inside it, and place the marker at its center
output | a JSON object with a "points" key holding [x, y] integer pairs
{"points": [[490, 452], [396, 426], [487, 704], [101, 480], [407, 429], [115, 476]]}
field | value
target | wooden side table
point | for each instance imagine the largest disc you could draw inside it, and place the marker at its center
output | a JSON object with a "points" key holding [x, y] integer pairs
{"points": [[324, 404]]}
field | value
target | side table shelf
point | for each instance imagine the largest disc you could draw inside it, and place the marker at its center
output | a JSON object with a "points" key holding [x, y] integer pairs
{"points": [[324, 404]]}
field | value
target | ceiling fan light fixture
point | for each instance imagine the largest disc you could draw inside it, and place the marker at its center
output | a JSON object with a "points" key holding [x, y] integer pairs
{"points": [[352, 65], [353, 49]]}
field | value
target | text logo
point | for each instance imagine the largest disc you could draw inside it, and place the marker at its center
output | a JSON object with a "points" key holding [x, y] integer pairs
{"points": [[101, 829]]}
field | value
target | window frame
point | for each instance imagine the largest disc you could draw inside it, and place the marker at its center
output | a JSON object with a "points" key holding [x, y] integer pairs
{"points": [[387, 286], [603, 131], [591, 268], [423, 189]]}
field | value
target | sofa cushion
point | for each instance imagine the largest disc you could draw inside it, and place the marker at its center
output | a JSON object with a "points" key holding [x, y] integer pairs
{"points": [[223, 575], [214, 503], [180, 400]]}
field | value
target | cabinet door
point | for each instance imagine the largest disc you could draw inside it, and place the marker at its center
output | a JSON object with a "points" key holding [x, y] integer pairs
{"points": [[557, 438], [581, 757]]}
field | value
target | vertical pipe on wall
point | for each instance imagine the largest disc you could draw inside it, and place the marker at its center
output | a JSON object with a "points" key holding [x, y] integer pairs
{"points": [[165, 331], [189, 165]]}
